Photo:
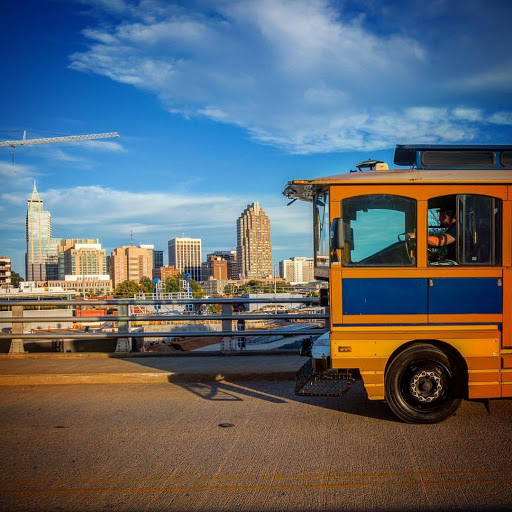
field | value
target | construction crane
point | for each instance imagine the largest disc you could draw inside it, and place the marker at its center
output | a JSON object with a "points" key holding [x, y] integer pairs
{"points": [[48, 140]]}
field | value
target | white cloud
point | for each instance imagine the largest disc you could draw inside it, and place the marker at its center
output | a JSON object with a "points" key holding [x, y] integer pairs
{"points": [[99, 212], [425, 114], [499, 79], [373, 132], [468, 114], [63, 156], [503, 118], [99, 36], [9, 170], [286, 71], [15, 177], [80, 154], [115, 6], [14, 223], [104, 145], [90, 201], [298, 74]]}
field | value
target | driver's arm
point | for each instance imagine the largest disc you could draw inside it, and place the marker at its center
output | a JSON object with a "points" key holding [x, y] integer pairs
{"points": [[440, 241]]}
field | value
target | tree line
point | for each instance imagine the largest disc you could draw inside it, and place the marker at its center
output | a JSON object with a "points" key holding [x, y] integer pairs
{"points": [[129, 288]]}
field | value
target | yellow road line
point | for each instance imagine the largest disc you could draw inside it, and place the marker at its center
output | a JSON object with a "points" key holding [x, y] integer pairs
{"points": [[306, 476], [253, 487]]}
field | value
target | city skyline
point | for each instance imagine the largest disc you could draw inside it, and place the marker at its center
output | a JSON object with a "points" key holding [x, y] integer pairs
{"points": [[37, 198], [219, 104], [66, 246], [86, 256]]}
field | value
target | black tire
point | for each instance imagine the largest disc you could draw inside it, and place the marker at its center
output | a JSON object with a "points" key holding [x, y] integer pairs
{"points": [[422, 385]]}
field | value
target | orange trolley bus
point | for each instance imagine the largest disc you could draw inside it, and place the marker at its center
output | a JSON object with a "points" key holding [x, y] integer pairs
{"points": [[419, 264]]}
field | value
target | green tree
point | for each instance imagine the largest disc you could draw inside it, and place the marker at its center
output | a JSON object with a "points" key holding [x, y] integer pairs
{"points": [[172, 284], [16, 279], [126, 290], [230, 289], [146, 285], [197, 291], [213, 309], [281, 287], [251, 286]]}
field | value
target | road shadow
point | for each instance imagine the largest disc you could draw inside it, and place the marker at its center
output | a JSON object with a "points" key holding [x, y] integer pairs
{"points": [[215, 387], [222, 391], [354, 402]]}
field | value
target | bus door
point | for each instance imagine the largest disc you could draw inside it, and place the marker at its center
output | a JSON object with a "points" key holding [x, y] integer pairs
{"points": [[464, 257]]}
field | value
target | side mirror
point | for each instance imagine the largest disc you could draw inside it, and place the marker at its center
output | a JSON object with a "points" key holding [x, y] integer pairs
{"points": [[336, 234], [323, 294]]}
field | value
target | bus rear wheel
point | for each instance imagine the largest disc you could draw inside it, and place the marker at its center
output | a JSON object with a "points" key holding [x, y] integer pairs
{"points": [[421, 385]]}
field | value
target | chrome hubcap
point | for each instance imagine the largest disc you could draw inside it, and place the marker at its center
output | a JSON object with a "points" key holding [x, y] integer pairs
{"points": [[426, 386]]}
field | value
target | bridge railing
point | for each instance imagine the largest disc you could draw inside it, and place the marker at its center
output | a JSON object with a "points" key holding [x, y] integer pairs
{"points": [[20, 311]]}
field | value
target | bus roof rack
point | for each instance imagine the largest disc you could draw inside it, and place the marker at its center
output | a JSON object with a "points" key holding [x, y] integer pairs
{"points": [[443, 156]]}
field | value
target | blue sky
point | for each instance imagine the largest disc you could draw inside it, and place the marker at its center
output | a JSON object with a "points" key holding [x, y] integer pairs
{"points": [[220, 103]]}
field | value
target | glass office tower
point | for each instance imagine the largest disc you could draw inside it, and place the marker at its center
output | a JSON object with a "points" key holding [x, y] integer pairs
{"points": [[42, 257]]}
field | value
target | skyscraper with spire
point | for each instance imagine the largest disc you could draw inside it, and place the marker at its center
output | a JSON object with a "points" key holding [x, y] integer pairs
{"points": [[42, 256], [253, 251]]}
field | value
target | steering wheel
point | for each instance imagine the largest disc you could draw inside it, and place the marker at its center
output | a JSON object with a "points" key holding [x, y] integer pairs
{"points": [[433, 256], [410, 245]]}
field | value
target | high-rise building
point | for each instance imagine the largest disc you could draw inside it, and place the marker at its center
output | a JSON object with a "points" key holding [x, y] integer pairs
{"points": [[253, 251], [69, 243], [130, 263], [297, 270], [83, 267], [5, 270], [85, 260], [151, 249], [185, 255], [158, 259], [42, 256], [230, 257]]}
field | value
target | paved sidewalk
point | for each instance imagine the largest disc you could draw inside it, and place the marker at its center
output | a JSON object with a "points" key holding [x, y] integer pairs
{"points": [[102, 369]]}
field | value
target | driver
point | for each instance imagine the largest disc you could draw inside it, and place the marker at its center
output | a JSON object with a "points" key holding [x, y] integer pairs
{"points": [[446, 220]]}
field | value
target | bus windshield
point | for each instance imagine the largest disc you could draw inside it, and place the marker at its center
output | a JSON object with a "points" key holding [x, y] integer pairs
{"points": [[321, 229]]}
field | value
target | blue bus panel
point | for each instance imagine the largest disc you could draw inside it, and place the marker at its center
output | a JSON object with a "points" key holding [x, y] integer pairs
{"points": [[393, 296], [412, 296], [465, 295]]}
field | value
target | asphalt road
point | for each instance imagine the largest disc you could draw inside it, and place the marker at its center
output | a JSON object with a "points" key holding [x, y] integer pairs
{"points": [[245, 446]]}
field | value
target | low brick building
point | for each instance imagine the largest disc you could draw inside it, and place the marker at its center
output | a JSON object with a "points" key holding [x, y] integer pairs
{"points": [[163, 273]]}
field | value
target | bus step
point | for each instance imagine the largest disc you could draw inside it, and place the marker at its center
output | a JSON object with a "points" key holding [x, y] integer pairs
{"points": [[329, 383]]}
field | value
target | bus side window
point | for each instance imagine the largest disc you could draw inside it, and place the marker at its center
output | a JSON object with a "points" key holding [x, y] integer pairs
{"points": [[479, 230], [375, 229]]}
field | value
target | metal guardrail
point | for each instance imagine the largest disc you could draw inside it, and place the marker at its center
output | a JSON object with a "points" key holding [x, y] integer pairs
{"points": [[138, 302], [124, 319]]}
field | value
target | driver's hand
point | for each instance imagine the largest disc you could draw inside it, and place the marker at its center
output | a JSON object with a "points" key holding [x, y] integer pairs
{"points": [[410, 236]]}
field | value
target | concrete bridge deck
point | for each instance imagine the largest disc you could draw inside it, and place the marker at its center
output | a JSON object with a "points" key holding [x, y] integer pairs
{"points": [[40, 369]]}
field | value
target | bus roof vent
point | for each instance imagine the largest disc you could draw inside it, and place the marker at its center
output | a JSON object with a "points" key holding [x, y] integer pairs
{"points": [[425, 156], [372, 165]]}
